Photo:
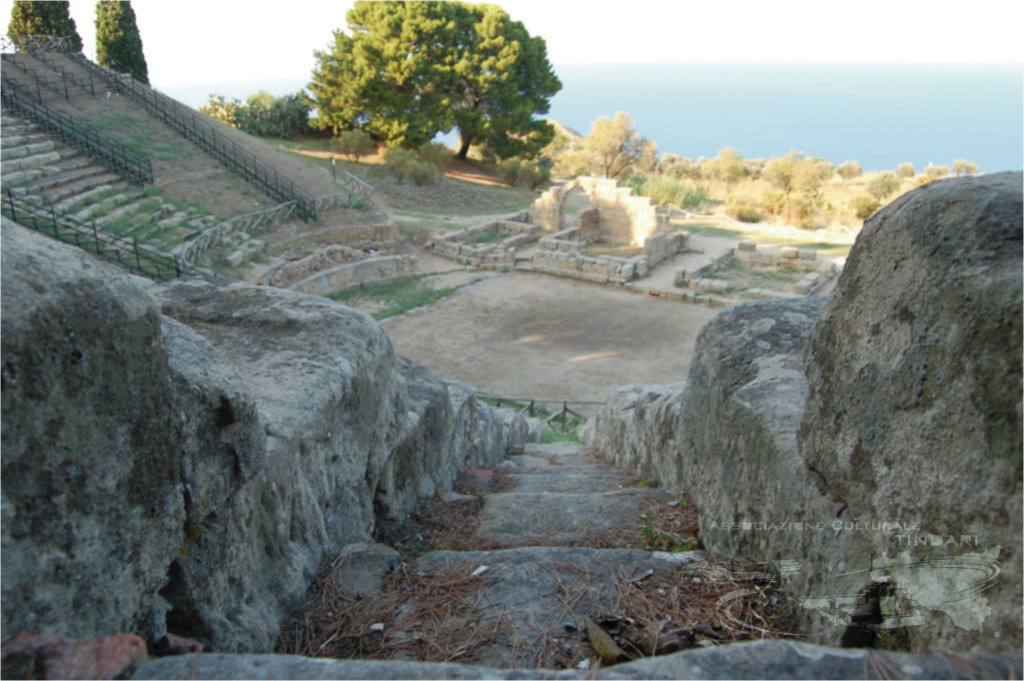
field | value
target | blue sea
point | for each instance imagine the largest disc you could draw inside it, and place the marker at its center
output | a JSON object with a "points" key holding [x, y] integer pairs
{"points": [[879, 115]]}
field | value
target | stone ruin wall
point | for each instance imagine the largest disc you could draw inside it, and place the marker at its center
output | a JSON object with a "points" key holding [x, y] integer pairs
{"points": [[788, 257], [374, 268], [560, 254], [461, 246], [340, 257], [546, 211], [617, 213], [620, 212]]}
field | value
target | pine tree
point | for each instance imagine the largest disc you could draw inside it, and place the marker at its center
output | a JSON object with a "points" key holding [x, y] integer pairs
{"points": [[408, 70], [118, 44], [43, 18]]}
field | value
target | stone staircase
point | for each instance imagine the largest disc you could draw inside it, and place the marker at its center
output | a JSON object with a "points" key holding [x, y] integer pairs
{"points": [[553, 565], [550, 590], [43, 170]]}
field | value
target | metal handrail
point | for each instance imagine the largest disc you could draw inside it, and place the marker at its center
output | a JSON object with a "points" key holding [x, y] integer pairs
{"points": [[105, 151], [126, 252], [35, 43], [189, 125]]}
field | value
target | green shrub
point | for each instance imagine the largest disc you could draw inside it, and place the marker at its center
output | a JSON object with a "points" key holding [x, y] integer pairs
{"points": [[434, 153], [527, 174], [668, 190], [262, 114], [353, 143], [423, 173], [743, 209], [849, 170], [864, 206], [905, 170], [799, 211], [962, 166], [400, 160], [509, 171], [574, 162], [773, 202], [884, 185]]}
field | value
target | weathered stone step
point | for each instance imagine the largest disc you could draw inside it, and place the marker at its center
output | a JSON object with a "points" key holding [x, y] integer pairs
{"points": [[569, 482], [88, 192], [23, 146], [512, 519], [100, 209], [67, 172], [545, 468], [38, 177], [33, 161], [530, 595], [15, 138], [772, 659], [135, 205], [555, 454]]}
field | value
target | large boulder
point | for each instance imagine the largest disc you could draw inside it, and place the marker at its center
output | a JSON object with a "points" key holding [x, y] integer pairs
{"points": [[870, 446], [91, 503], [181, 457], [914, 409]]}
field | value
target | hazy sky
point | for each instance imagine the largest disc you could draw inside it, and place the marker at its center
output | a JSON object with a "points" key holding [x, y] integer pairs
{"points": [[216, 41]]}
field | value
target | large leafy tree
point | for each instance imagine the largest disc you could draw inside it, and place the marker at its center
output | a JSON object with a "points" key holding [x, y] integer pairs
{"points": [[44, 18], [615, 144], [412, 69], [118, 44]]}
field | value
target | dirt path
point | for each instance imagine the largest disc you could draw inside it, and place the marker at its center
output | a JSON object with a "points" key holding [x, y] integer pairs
{"points": [[532, 335]]}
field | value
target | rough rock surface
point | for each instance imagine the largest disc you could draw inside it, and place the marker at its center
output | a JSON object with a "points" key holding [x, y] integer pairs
{"points": [[443, 417], [762, 660], [872, 449], [90, 501], [914, 410], [189, 476]]}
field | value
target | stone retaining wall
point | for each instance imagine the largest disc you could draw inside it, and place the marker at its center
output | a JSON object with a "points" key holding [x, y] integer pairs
{"points": [[361, 237], [321, 259], [462, 247], [560, 254], [788, 257], [602, 270], [360, 272]]}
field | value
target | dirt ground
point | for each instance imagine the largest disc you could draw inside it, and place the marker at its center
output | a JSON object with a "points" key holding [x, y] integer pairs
{"points": [[539, 336]]}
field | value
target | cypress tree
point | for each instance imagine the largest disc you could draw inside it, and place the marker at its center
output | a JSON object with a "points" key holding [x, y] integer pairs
{"points": [[43, 18], [118, 44]]}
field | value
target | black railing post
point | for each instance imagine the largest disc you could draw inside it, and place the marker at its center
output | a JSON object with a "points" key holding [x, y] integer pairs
{"points": [[10, 200], [138, 261]]}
